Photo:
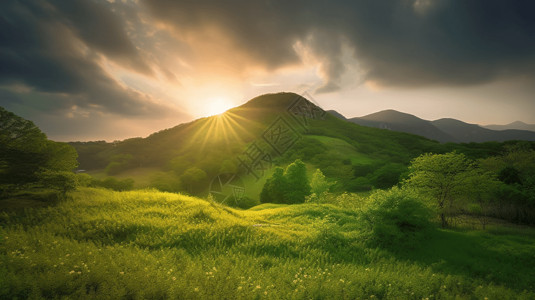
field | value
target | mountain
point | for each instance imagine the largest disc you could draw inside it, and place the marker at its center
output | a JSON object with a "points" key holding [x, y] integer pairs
{"points": [[468, 133], [267, 131], [515, 125], [337, 114], [403, 122], [442, 130]]}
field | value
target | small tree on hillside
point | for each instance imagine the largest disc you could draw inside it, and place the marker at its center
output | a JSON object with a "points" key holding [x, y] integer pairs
{"points": [[444, 178], [290, 186], [319, 184], [298, 186], [274, 188]]}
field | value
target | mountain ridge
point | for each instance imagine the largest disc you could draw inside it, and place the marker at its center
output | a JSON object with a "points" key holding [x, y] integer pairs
{"points": [[443, 130]]}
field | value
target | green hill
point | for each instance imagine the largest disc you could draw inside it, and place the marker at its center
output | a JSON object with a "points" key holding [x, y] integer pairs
{"points": [[283, 126], [151, 245]]}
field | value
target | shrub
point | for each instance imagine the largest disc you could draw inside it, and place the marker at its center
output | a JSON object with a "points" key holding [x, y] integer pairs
{"points": [[395, 218]]}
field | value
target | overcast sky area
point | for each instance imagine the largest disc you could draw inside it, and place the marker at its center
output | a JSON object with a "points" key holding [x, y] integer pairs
{"points": [[107, 70]]}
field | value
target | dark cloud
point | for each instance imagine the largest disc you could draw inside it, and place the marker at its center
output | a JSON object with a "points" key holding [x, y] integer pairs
{"points": [[54, 49], [397, 43]]}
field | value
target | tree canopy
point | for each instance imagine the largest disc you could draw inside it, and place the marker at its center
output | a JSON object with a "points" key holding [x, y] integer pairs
{"points": [[448, 179], [27, 156], [287, 186]]}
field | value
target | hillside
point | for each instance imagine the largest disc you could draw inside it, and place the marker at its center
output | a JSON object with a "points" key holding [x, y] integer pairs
{"points": [[281, 125], [148, 245]]}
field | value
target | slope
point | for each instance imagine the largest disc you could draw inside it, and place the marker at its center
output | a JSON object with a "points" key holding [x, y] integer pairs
{"points": [[151, 245]]}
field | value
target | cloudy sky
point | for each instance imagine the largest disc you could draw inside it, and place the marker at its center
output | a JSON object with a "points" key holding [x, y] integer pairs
{"points": [[102, 69]]}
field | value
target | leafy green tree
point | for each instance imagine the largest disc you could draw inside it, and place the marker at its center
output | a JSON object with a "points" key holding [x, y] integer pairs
{"points": [[296, 177], [319, 184], [274, 190], [443, 178], [21, 149], [60, 156], [287, 186], [27, 156], [63, 181], [193, 179]]}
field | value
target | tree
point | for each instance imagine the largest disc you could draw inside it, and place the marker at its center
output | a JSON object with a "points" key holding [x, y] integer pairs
{"points": [[21, 149], [62, 181], [444, 178], [296, 177], [275, 187], [287, 186], [60, 156], [27, 156], [319, 184]]}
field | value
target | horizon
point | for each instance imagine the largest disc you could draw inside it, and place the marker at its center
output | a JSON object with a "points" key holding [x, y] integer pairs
{"points": [[151, 65]]}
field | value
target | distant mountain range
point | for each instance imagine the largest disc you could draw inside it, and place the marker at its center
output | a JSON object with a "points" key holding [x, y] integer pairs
{"points": [[444, 130], [515, 125]]}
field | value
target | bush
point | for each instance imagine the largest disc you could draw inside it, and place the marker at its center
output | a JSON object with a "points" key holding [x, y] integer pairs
{"points": [[395, 218]]}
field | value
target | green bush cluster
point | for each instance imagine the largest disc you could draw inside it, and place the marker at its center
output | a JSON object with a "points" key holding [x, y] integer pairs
{"points": [[396, 218], [288, 186]]}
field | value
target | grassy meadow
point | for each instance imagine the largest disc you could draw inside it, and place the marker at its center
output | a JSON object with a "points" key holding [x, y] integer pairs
{"points": [[152, 245]]}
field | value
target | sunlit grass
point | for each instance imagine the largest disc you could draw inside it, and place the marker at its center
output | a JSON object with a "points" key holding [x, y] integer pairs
{"points": [[147, 244]]}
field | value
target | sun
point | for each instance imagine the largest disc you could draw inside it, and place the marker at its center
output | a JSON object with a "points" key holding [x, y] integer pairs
{"points": [[217, 106]]}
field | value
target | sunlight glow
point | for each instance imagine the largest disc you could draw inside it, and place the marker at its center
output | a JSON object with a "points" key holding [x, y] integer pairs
{"points": [[218, 105]]}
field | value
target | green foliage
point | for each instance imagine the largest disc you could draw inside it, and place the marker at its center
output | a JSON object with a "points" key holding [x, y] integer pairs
{"points": [[152, 245], [297, 182], [319, 184], [194, 180], [27, 158], [84, 179], [516, 197], [396, 218], [388, 175], [288, 186], [60, 157], [166, 182], [275, 187], [60, 180], [445, 179]]}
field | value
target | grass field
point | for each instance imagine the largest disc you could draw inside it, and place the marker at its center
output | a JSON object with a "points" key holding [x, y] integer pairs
{"points": [[152, 245]]}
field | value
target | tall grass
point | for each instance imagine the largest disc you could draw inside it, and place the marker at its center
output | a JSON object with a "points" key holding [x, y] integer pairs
{"points": [[152, 245]]}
